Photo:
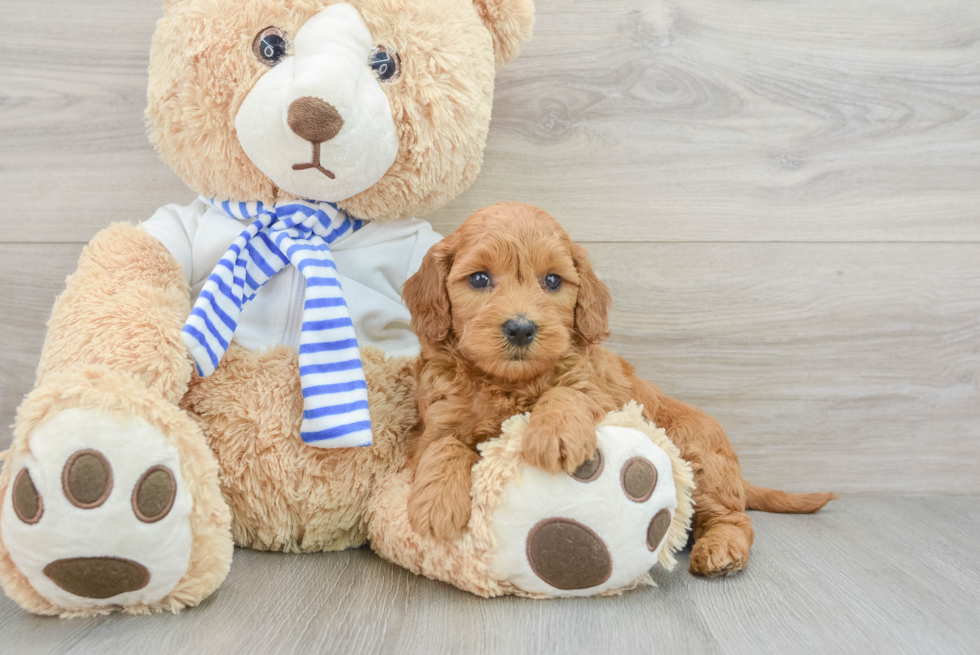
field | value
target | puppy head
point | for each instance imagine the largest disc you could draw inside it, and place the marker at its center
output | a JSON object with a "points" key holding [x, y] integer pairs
{"points": [[510, 292]]}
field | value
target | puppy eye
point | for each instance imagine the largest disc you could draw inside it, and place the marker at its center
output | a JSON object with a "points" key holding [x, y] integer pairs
{"points": [[480, 280], [384, 64], [553, 281], [271, 46]]}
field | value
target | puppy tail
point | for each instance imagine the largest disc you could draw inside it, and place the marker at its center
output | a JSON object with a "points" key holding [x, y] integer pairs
{"points": [[772, 500]]}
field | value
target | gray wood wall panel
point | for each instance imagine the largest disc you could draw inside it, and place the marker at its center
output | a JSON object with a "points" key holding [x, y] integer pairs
{"points": [[784, 197], [657, 121], [719, 120], [851, 367]]}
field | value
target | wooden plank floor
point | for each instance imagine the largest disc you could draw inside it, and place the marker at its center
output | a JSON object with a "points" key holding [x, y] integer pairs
{"points": [[783, 195], [871, 574]]}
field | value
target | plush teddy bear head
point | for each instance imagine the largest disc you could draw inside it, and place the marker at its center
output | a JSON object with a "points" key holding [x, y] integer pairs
{"points": [[381, 106]]}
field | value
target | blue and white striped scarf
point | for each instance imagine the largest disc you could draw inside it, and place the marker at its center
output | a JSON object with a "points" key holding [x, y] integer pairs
{"points": [[335, 405]]}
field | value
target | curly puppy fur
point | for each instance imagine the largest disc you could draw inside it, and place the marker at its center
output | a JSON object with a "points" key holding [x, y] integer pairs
{"points": [[471, 378]]}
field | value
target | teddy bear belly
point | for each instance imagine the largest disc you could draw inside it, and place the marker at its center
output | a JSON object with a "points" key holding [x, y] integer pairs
{"points": [[285, 495]]}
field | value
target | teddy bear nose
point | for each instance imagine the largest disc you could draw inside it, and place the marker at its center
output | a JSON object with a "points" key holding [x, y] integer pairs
{"points": [[314, 120], [520, 331]]}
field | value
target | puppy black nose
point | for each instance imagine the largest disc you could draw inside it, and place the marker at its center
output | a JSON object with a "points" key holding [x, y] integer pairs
{"points": [[519, 331], [314, 120]]}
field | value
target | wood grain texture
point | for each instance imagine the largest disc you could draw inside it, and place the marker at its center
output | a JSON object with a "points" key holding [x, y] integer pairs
{"points": [[33, 275], [712, 120], [784, 197], [844, 120], [867, 575], [846, 367]]}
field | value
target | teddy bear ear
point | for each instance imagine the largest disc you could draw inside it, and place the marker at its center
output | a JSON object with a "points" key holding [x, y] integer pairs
{"points": [[510, 23]]}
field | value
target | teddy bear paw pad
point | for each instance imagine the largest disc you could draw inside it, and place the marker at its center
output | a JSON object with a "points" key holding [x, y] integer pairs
{"points": [[92, 520], [596, 530]]}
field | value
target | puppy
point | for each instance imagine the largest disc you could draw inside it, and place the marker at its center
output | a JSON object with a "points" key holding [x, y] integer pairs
{"points": [[510, 316]]}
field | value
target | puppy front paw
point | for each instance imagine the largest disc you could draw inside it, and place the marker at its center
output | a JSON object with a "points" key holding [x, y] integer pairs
{"points": [[554, 443], [440, 511]]}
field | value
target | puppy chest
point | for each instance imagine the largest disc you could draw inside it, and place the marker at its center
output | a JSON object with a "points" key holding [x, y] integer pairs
{"points": [[491, 407]]}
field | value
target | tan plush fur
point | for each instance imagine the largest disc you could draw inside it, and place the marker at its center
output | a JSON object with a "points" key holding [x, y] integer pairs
{"points": [[201, 69], [125, 284], [471, 378], [510, 23], [467, 561], [285, 495]]}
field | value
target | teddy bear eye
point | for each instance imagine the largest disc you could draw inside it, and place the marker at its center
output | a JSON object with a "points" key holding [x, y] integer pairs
{"points": [[552, 281], [270, 46], [385, 64]]}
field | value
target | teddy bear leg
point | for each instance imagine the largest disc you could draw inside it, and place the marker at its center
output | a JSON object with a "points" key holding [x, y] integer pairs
{"points": [[109, 495], [595, 531], [284, 494]]}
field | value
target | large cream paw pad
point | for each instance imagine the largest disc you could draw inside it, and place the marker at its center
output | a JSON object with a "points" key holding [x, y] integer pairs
{"points": [[97, 512], [597, 530]]}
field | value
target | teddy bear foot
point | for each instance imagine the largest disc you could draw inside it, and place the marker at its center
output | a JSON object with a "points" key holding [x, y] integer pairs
{"points": [[595, 532], [109, 502], [602, 528]]}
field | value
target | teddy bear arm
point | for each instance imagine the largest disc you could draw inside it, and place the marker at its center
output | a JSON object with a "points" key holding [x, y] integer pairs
{"points": [[123, 308], [123, 506]]}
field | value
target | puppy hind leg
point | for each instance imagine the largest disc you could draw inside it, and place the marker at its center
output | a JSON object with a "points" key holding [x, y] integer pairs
{"points": [[723, 533]]}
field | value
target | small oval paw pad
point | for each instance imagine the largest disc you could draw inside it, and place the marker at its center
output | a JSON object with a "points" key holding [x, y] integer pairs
{"points": [[639, 479], [154, 494], [590, 469], [658, 529], [87, 479], [28, 504]]}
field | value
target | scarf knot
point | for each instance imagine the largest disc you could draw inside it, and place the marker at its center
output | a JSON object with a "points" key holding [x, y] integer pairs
{"points": [[300, 233]]}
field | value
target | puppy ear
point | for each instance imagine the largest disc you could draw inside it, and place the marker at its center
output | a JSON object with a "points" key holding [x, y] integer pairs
{"points": [[426, 296], [592, 307], [510, 23]]}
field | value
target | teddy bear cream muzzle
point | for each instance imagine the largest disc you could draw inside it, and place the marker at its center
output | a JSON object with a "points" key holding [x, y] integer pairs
{"points": [[318, 123]]}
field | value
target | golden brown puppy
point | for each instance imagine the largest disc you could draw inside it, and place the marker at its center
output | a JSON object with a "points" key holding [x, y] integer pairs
{"points": [[510, 316]]}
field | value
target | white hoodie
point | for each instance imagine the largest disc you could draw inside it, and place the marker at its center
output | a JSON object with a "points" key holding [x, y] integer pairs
{"points": [[373, 265]]}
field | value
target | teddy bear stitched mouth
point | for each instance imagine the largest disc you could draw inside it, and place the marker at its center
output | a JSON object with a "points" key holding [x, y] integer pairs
{"points": [[315, 164]]}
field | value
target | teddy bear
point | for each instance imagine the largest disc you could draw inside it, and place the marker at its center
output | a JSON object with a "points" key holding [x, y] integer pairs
{"points": [[239, 371]]}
